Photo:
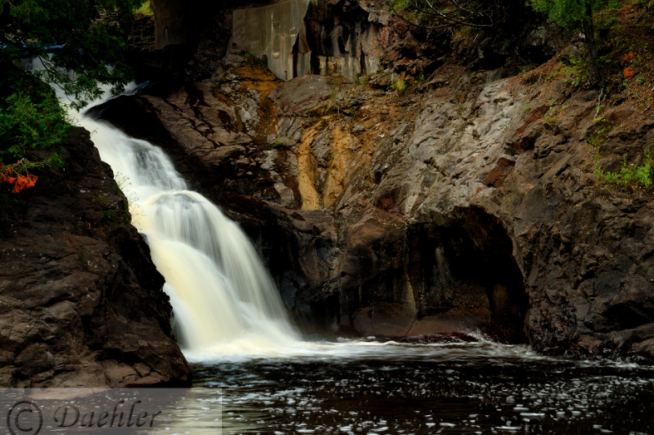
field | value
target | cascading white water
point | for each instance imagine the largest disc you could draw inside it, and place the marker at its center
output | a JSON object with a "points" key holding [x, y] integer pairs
{"points": [[225, 303]]}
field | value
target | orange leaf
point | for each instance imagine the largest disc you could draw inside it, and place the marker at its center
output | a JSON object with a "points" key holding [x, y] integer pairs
{"points": [[5, 178], [628, 57], [628, 72], [20, 182]]}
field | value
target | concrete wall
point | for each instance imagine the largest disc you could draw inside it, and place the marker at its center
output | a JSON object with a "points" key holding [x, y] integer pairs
{"points": [[296, 40], [273, 31]]}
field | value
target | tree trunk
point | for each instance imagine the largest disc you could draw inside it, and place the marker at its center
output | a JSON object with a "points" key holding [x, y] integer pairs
{"points": [[589, 31]]}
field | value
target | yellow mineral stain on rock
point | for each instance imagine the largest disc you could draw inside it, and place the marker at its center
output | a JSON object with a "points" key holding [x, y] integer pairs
{"points": [[343, 146], [350, 156], [253, 76], [306, 166]]}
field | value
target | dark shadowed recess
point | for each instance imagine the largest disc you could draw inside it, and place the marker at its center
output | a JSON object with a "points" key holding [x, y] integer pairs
{"points": [[462, 277], [472, 255]]}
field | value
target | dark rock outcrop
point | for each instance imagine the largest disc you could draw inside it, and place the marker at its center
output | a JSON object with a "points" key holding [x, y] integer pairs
{"points": [[81, 303]]}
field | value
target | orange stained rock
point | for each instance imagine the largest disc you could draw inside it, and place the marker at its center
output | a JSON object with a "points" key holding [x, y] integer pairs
{"points": [[306, 166], [343, 144], [255, 73]]}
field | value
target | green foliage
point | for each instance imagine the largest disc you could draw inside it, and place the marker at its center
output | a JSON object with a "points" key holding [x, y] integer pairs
{"points": [[551, 121], [640, 176], [91, 36], [107, 216], [571, 13], [578, 14], [361, 80], [102, 202], [145, 9], [629, 175], [80, 44], [252, 60], [405, 8], [603, 60], [334, 93], [577, 71], [25, 125], [606, 20]]}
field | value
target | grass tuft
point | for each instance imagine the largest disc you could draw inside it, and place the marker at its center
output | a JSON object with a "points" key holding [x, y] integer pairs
{"points": [[629, 175]]}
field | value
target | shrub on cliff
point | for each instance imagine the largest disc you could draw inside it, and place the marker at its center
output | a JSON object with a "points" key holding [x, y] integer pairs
{"points": [[27, 126], [80, 44], [578, 14], [145, 10]]}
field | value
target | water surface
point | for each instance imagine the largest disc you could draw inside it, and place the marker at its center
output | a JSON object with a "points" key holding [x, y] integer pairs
{"points": [[448, 388]]}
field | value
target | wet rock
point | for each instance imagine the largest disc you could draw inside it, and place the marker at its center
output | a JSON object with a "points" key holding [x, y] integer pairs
{"points": [[78, 291]]}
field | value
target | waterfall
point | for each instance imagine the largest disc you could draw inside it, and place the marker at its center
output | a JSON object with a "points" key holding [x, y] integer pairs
{"points": [[224, 301]]}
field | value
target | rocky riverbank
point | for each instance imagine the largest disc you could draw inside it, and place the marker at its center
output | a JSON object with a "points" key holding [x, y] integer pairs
{"points": [[81, 304]]}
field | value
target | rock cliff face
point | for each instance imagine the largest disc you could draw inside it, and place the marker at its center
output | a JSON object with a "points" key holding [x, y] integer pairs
{"points": [[299, 37], [81, 304], [468, 203]]}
